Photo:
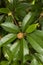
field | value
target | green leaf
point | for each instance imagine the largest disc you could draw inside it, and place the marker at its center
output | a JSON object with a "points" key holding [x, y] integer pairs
{"points": [[26, 19], [10, 27], [31, 28], [9, 4], [34, 62], [39, 56], [30, 18], [15, 49], [38, 36], [4, 62], [34, 44], [1, 17], [4, 10], [24, 50], [9, 19], [7, 53], [27, 58], [7, 39], [39, 33], [15, 63], [22, 6], [15, 3]]}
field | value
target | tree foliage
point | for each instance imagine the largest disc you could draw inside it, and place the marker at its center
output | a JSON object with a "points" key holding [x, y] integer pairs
{"points": [[21, 32]]}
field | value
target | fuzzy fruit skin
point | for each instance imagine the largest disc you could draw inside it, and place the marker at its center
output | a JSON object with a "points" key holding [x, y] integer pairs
{"points": [[20, 35]]}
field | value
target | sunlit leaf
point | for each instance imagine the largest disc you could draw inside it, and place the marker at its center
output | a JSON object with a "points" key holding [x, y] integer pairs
{"points": [[7, 39], [10, 27], [31, 28], [35, 45]]}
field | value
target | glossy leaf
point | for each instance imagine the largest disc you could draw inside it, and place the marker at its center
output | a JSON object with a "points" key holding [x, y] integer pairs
{"points": [[34, 62], [34, 44], [39, 33], [31, 28], [7, 39], [24, 49], [10, 27], [7, 53], [36, 36], [21, 16], [29, 19], [26, 19], [15, 50], [25, 46], [39, 56]]}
